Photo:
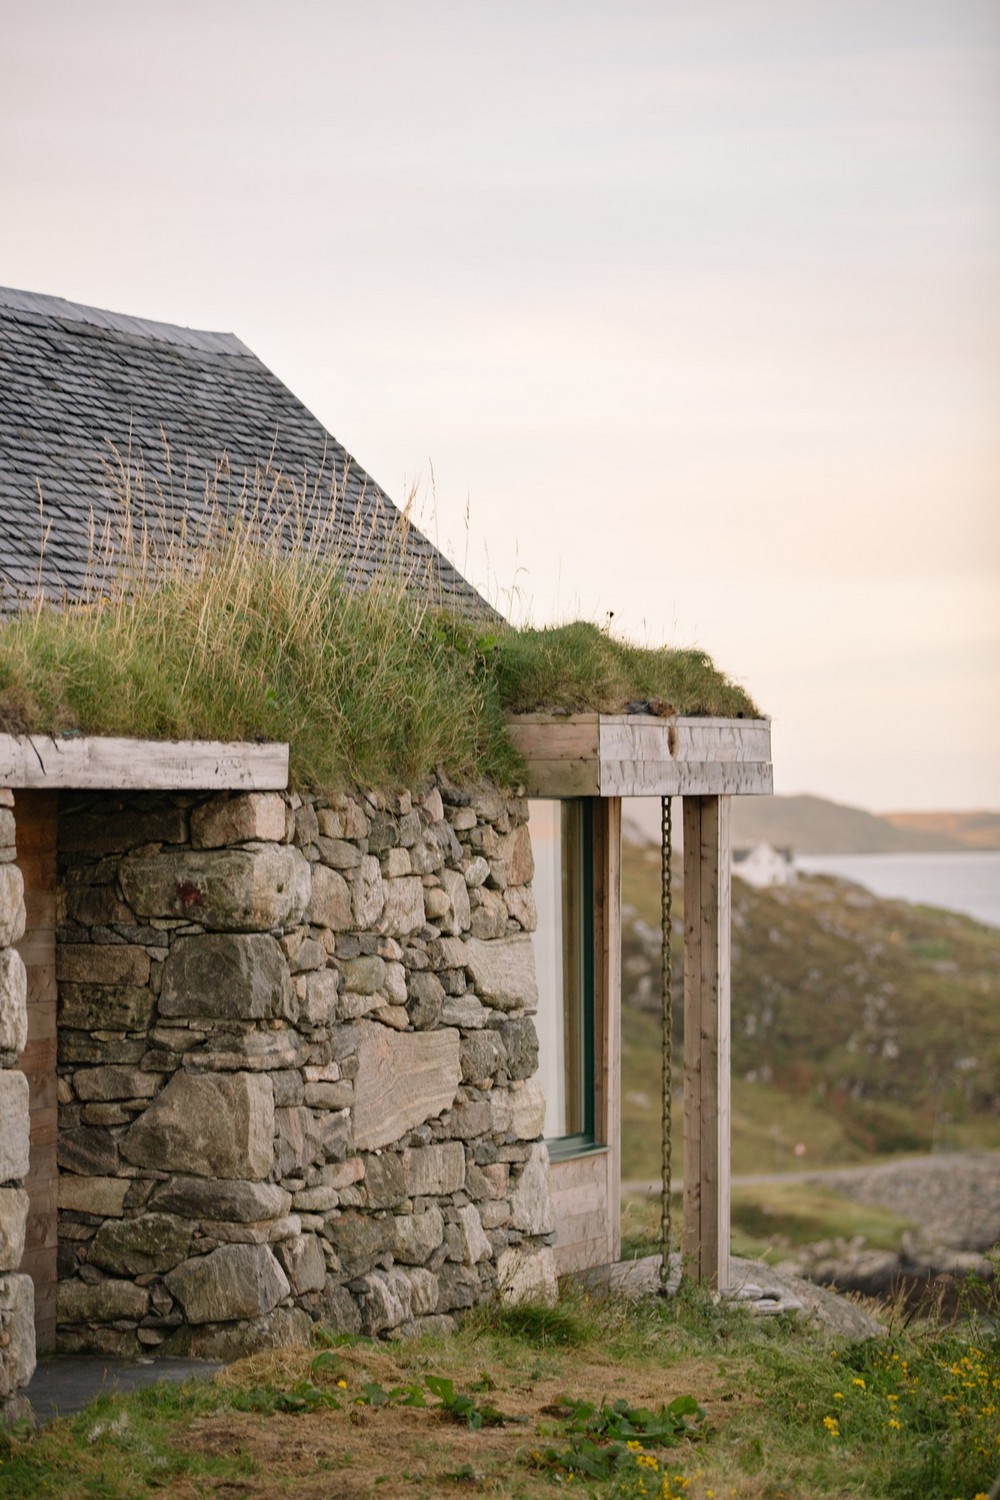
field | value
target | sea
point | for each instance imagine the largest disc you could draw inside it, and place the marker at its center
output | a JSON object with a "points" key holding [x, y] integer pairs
{"points": [[962, 881]]}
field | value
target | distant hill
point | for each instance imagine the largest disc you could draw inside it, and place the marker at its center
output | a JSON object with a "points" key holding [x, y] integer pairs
{"points": [[974, 830], [860, 1025], [813, 825]]}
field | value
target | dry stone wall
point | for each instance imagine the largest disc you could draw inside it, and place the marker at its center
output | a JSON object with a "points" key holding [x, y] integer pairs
{"points": [[17, 1301], [296, 1059]]}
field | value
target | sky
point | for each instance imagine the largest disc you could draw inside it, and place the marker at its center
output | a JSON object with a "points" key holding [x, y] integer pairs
{"points": [[682, 318]]}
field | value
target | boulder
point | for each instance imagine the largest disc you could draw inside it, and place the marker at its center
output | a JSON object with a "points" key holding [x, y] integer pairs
{"points": [[233, 1282], [226, 975], [283, 1328], [209, 1125], [384, 1299], [253, 889]]}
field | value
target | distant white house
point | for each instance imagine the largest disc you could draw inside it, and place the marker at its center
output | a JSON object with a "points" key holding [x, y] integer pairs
{"points": [[764, 865]]}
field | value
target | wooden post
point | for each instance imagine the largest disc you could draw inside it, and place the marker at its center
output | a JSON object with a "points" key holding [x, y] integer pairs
{"points": [[707, 865]]}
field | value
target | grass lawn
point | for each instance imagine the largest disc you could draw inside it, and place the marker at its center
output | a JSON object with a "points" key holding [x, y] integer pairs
{"points": [[610, 1398]]}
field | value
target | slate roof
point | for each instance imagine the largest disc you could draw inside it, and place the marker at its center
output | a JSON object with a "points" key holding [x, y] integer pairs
{"points": [[88, 397]]}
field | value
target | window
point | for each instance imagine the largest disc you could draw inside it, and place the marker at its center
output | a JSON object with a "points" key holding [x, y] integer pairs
{"points": [[562, 839]]}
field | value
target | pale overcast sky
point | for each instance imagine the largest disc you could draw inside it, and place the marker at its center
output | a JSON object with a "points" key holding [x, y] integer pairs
{"points": [[692, 307]]}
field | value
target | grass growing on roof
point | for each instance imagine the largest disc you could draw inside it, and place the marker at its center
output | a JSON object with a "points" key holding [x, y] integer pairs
{"points": [[245, 638]]}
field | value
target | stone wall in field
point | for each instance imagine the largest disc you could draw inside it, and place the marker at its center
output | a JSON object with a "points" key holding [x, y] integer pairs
{"points": [[296, 1059], [17, 1304]]}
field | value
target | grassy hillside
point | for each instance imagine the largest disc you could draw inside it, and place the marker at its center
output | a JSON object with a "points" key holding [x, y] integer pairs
{"points": [[861, 1026]]}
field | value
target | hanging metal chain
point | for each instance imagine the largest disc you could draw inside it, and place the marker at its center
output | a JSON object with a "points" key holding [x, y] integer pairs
{"points": [[667, 1059]]}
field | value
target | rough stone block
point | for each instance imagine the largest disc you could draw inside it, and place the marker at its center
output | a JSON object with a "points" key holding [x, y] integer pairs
{"points": [[481, 1055], [364, 975], [338, 853], [102, 1007], [385, 1301], [303, 1263], [424, 1291], [13, 1001], [319, 1005], [238, 819], [528, 1276], [454, 886], [520, 903], [100, 1302], [425, 1000], [521, 1042], [233, 1282], [403, 1079], [384, 1180], [531, 1199], [515, 851], [472, 1241], [17, 1333], [330, 903], [115, 1083], [527, 1110], [360, 1240], [281, 1329], [299, 1140], [14, 1136], [138, 1247], [90, 1150], [222, 1199], [433, 1171], [116, 828], [417, 1236], [503, 972], [226, 975], [253, 889], [367, 893], [403, 911], [209, 1124], [344, 821], [13, 1217], [12, 914], [102, 963], [102, 1196], [489, 917]]}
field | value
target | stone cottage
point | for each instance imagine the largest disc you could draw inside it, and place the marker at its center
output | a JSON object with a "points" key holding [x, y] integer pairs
{"points": [[267, 1058]]}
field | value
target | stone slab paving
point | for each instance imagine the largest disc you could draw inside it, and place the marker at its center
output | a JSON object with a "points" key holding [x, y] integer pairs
{"points": [[66, 1384]]}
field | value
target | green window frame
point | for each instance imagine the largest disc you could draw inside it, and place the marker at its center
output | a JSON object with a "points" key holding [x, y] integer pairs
{"points": [[563, 838]]}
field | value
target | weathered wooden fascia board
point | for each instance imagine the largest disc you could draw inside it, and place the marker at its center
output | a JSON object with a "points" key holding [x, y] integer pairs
{"points": [[638, 755], [100, 763], [685, 778]]}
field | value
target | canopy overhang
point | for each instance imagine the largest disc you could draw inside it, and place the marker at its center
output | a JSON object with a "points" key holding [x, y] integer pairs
{"points": [[639, 755]]}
